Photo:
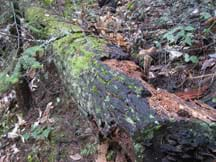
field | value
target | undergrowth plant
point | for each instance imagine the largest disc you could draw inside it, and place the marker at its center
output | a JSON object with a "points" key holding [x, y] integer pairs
{"points": [[38, 133], [191, 58], [88, 150], [180, 34], [25, 62]]}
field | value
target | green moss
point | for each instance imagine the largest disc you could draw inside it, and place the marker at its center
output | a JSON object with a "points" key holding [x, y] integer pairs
{"points": [[120, 78], [135, 88], [94, 90], [102, 81], [80, 63], [66, 45], [96, 43], [104, 71], [75, 49], [147, 133], [42, 22], [48, 2]]}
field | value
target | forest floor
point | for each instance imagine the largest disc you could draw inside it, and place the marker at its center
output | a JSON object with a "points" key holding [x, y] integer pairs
{"points": [[179, 36], [53, 130]]}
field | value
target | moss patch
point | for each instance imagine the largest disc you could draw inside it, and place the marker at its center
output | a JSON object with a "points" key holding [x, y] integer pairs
{"points": [[44, 24], [80, 63], [75, 48]]}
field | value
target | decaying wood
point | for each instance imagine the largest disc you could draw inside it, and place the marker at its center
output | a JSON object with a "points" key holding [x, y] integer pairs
{"points": [[163, 101], [147, 124]]}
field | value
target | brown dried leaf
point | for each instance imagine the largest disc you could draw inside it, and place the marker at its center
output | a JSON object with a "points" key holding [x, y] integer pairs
{"points": [[151, 51]]}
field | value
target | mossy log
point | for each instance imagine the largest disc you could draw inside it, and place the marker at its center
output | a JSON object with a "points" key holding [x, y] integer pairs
{"points": [[147, 124]]}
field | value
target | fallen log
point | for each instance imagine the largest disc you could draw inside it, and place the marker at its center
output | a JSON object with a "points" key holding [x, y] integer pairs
{"points": [[147, 124]]}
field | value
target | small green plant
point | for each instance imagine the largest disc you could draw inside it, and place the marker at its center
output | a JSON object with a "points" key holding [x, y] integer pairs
{"points": [[88, 150], [183, 34], [214, 99], [192, 58], [38, 132], [110, 155], [25, 62]]}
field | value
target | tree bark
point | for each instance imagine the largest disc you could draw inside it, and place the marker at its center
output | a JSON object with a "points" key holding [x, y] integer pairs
{"points": [[147, 124]]}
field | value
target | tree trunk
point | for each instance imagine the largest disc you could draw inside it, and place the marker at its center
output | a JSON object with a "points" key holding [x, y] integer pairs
{"points": [[147, 124]]}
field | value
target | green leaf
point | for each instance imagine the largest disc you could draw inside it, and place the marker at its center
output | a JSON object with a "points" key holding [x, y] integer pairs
{"points": [[189, 28], [194, 59], [170, 37], [180, 34], [187, 58], [207, 31], [205, 15], [46, 132], [26, 136], [157, 44], [188, 40], [214, 100]]}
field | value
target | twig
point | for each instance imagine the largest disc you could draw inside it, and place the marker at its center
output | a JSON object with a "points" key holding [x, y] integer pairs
{"points": [[15, 36], [17, 28], [211, 44], [203, 76]]}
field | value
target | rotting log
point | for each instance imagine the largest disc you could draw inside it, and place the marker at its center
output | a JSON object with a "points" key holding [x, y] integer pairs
{"points": [[147, 124]]}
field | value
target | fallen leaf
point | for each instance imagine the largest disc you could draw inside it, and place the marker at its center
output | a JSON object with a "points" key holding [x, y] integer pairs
{"points": [[193, 93], [211, 23], [15, 149], [173, 54], [120, 40], [208, 63], [212, 55], [151, 51], [14, 133], [43, 117], [21, 121], [76, 157]]}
